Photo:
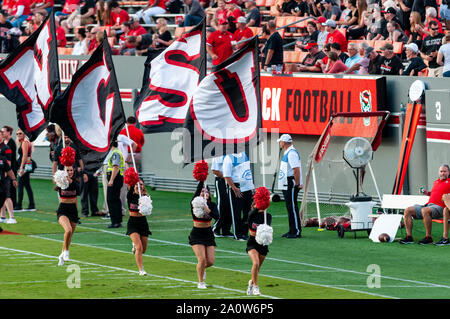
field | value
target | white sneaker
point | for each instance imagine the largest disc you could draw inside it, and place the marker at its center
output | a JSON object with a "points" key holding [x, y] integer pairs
{"points": [[255, 291], [201, 285], [61, 260], [11, 221], [66, 255], [250, 288], [142, 273], [3, 220]]}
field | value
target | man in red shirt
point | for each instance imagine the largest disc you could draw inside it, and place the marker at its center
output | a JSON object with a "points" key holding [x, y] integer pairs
{"points": [[242, 31], [135, 28], [219, 45], [138, 137], [118, 15], [334, 35], [21, 11], [60, 34], [431, 210]]}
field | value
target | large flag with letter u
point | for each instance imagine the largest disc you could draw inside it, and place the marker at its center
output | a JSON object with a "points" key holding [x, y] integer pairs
{"points": [[173, 76], [225, 113], [90, 110], [29, 78]]}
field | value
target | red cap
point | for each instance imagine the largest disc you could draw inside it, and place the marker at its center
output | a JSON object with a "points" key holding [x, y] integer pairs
{"points": [[320, 20], [310, 45], [223, 21]]}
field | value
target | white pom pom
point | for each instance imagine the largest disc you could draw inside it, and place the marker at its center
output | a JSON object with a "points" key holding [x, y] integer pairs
{"points": [[61, 179], [264, 235], [197, 206], [145, 205]]}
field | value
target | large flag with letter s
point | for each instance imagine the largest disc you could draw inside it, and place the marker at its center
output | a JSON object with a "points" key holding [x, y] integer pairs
{"points": [[90, 110], [29, 78], [224, 116], [170, 80]]}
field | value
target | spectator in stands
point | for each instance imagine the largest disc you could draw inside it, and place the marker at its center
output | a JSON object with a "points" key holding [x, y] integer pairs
{"points": [[82, 16], [136, 28], [273, 51], [42, 6], [416, 29], [416, 62], [377, 31], [154, 7], [60, 34], [253, 15], [335, 35], [312, 35], [422, 5], [90, 36], [352, 17], [118, 15], [431, 15], [391, 64], [162, 38], [143, 46], [432, 210], [81, 46], [242, 32], [233, 10], [405, 13], [331, 10], [214, 15], [336, 47], [284, 7], [333, 65], [310, 62], [33, 22], [443, 57], [444, 13], [21, 10], [361, 32], [390, 14], [345, 13], [195, 15], [99, 35], [353, 58], [323, 34], [218, 44], [69, 7], [368, 64], [430, 48], [395, 33], [5, 25], [300, 8]]}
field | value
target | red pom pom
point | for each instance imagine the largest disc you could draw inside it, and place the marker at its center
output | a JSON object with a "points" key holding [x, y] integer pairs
{"points": [[262, 198], [200, 172], [67, 157], [131, 178]]}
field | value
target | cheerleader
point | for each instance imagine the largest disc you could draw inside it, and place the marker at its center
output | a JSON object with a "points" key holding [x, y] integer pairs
{"points": [[256, 251], [137, 226], [201, 237], [67, 213]]}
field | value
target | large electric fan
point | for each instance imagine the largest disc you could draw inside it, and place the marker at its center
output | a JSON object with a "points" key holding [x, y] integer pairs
{"points": [[357, 153]]}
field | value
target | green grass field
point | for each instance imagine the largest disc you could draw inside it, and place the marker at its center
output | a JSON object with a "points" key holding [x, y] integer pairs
{"points": [[317, 266]]}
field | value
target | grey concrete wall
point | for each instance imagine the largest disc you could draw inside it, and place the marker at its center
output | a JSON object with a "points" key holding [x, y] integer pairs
{"points": [[158, 147]]}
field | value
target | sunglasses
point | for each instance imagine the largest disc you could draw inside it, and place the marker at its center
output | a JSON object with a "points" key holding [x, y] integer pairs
{"points": [[435, 29]]}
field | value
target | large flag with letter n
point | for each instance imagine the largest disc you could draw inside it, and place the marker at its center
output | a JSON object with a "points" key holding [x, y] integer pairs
{"points": [[90, 110], [225, 113], [170, 80], [29, 78]]}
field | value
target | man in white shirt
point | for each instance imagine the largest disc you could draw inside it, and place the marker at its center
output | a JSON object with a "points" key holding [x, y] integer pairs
{"points": [[290, 181], [239, 179], [222, 226]]}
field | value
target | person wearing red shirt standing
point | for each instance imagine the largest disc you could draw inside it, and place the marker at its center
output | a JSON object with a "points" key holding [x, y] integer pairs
{"points": [[219, 45], [118, 15], [334, 35], [21, 11], [242, 31], [432, 210], [138, 137]]}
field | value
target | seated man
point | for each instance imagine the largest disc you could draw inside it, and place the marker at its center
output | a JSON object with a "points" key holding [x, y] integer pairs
{"points": [[432, 210], [444, 240]]}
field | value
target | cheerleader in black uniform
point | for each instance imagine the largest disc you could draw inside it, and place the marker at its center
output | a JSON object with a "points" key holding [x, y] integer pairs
{"points": [[137, 226], [257, 252], [67, 213], [201, 237]]}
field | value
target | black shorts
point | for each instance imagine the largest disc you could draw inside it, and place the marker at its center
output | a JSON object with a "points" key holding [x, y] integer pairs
{"points": [[68, 210], [138, 225], [202, 236], [252, 244]]}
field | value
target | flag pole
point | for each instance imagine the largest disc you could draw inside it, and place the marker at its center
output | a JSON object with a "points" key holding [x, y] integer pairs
{"points": [[132, 158]]}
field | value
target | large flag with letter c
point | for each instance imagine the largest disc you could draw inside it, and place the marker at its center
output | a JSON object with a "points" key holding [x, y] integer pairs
{"points": [[90, 110], [170, 79], [29, 78], [226, 108]]}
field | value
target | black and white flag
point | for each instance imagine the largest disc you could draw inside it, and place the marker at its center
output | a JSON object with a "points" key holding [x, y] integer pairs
{"points": [[29, 78], [225, 113], [90, 110], [170, 80]]}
